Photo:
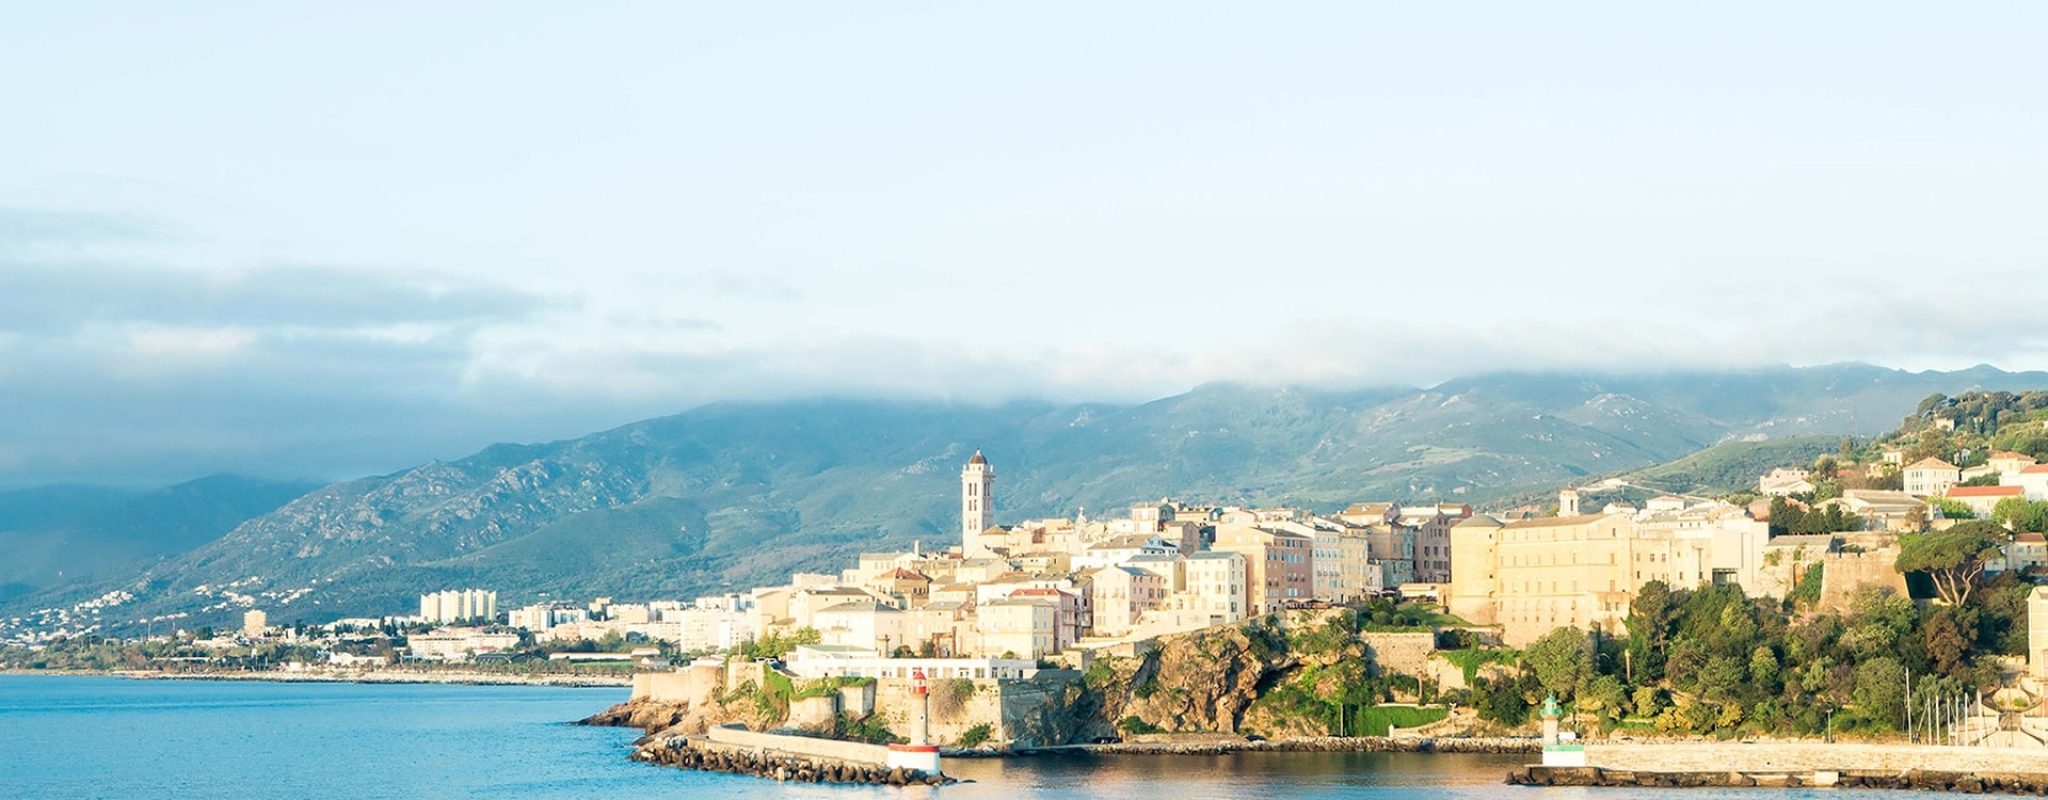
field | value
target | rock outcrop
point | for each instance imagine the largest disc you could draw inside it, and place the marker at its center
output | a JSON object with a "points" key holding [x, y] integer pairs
{"points": [[1277, 675], [645, 715]]}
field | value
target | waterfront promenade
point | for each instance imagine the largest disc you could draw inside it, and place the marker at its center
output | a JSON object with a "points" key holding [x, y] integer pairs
{"points": [[1922, 768], [1775, 757]]}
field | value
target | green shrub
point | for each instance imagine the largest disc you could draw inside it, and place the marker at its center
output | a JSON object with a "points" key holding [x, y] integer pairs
{"points": [[1133, 726]]}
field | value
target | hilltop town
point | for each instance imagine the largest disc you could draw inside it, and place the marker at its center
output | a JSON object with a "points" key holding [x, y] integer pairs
{"points": [[1435, 608]]}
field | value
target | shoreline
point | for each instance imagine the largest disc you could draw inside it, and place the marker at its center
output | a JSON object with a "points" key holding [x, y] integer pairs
{"points": [[1311, 744], [385, 677]]}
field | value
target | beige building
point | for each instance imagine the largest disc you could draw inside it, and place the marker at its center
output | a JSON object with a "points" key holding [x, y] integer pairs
{"points": [[1343, 561], [1016, 628], [1122, 595], [1214, 584], [1783, 481], [1279, 566], [1931, 476], [1531, 576], [255, 623], [1432, 526], [860, 623], [1883, 510], [1981, 499]]}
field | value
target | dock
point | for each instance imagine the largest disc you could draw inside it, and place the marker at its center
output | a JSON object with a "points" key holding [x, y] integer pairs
{"points": [[1796, 764]]}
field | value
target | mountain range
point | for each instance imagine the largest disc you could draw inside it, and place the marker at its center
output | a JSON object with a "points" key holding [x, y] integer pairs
{"points": [[67, 535], [731, 495]]}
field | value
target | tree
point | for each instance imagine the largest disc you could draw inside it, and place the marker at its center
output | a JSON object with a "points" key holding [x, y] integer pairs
{"points": [[1606, 699], [2021, 514], [1500, 702], [1649, 628], [1952, 509], [1763, 669], [1879, 693], [1947, 637], [1953, 559], [1562, 660]]}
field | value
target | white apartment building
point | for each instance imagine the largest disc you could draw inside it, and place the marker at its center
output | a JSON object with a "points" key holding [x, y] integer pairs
{"points": [[458, 605]]}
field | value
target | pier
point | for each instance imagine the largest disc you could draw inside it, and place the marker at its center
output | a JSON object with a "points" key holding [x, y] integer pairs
{"points": [[1794, 764]]}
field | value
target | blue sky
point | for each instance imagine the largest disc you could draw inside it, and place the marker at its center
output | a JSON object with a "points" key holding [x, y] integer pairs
{"points": [[339, 239]]}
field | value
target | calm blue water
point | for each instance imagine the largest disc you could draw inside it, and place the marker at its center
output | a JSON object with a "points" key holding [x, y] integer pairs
{"points": [[65, 737]]}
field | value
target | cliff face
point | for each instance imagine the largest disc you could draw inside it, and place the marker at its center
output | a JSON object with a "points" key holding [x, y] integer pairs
{"points": [[1282, 675]]}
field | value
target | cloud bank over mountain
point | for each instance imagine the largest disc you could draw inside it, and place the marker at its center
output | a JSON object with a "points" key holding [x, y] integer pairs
{"points": [[232, 242]]}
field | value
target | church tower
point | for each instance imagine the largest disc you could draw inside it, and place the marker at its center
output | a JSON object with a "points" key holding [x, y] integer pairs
{"points": [[977, 500], [1568, 503]]}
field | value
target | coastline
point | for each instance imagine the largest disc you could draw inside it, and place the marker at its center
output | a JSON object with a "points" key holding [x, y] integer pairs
{"points": [[367, 677], [1306, 744]]}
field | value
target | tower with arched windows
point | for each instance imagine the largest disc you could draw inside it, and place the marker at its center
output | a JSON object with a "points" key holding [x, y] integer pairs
{"points": [[977, 500]]}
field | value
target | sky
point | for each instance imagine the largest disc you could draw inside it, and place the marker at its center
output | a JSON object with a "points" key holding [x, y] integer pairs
{"points": [[326, 240]]}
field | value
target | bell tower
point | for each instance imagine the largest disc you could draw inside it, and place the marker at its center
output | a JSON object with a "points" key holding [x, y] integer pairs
{"points": [[1568, 503], [977, 500]]}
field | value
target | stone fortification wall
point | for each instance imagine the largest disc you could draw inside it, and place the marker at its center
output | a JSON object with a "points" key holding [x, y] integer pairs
{"points": [[1007, 707], [1844, 573], [814, 713], [957, 704], [1405, 653], [693, 685]]}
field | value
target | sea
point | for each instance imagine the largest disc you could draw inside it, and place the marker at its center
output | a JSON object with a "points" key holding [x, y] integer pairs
{"points": [[106, 737]]}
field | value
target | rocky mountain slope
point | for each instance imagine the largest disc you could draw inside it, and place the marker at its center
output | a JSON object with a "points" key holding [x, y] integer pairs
{"points": [[61, 535], [732, 495]]}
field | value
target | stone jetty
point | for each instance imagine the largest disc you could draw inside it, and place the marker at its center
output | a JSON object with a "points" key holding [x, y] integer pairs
{"points": [[699, 754]]}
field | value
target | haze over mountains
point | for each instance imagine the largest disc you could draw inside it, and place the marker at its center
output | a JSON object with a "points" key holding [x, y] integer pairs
{"points": [[732, 495]]}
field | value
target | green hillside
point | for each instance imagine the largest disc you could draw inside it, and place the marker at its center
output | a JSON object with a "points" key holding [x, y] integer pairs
{"points": [[1734, 466]]}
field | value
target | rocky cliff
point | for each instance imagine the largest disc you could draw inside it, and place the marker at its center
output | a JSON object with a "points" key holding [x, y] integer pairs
{"points": [[1289, 675]]}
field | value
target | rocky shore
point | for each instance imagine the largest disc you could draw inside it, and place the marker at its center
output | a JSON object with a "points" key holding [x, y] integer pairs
{"points": [[686, 753], [1911, 780], [649, 716]]}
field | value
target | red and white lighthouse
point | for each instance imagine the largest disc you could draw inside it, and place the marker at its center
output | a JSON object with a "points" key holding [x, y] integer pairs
{"points": [[920, 754]]}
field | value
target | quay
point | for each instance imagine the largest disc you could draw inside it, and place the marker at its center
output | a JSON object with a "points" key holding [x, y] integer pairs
{"points": [[1794, 764]]}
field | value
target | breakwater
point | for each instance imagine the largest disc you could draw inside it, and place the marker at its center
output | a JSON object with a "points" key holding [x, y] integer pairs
{"points": [[702, 754]]}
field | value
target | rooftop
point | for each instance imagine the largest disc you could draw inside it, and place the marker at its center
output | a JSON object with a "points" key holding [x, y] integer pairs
{"points": [[1985, 491], [1555, 522]]}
